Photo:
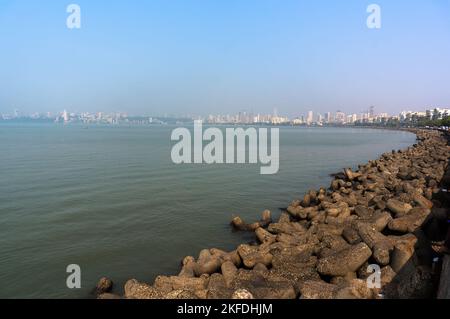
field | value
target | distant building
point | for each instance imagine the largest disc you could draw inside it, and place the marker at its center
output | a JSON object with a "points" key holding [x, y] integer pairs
{"points": [[351, 119], [407, 115], [438, 113], [279, 120], [340, 117], [297, 121], [319, 118], [65, 116], [310, 118]]}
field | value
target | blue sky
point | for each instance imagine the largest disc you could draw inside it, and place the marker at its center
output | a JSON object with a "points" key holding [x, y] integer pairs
{"points": [[209, 56]]}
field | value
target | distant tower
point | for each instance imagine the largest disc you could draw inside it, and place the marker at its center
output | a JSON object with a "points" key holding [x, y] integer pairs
{"points": [[319, 118], [372, 111], [65, 116], [275, 112], [310, 117]]}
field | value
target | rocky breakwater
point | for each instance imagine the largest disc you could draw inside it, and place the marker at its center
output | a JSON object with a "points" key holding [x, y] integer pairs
{"points": [[323, 244]]}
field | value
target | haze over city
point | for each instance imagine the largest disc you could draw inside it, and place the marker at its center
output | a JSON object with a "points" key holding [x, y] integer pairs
{"points": [[206, 57]]}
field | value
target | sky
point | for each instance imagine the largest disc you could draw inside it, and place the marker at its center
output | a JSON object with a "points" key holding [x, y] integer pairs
{"points": [[200, 57]]}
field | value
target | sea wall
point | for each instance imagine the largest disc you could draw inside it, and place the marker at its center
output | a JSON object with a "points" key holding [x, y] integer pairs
{"points": [[381, 215]]}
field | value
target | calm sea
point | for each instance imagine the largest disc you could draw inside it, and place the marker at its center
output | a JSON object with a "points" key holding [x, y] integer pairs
{"points": [[109, 199]]}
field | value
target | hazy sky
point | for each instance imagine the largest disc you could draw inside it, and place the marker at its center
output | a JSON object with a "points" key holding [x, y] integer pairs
{"points": [[223, 56]]}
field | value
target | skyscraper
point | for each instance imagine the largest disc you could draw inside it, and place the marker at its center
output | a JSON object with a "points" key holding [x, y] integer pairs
{"points": [[65, 116], [319, 118], [310, 118]]}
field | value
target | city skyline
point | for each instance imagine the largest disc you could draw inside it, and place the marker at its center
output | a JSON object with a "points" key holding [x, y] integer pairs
{"points": [[310, 118], [210, 57]]}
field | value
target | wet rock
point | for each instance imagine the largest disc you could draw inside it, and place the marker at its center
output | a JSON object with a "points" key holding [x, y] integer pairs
{"points": [[297, 212], [104, 285], [379, 202], [351, 235], [207, 263], [287, 228], [332, 244], [318, 289], [348, 260], [398, 208], [363, 271], [168, 284], [264, 236], [188, 269], [217, 288], [223, 256], [136, 290], [264, 286], [410, 222], [295, 203], [343, 280], [351, 200], [380, 220], [266, 218], [357, 289], [363, 211], [422, 201], [216, 282], [291, 239], [387, 275], [242, 294], [239, 224], [306, 200], [284, 218], [329, 229], [182, 295], [251, 256], [380, 244], [276, 289], [350, 174], [229, 271], [296, 265], [401, 255], [260, 268], [335, 185]]}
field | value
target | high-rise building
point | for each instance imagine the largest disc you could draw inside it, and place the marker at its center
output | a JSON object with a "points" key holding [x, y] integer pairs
{"points": [[65, 116], [319, 118], [340, 117], [310, 118]]}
